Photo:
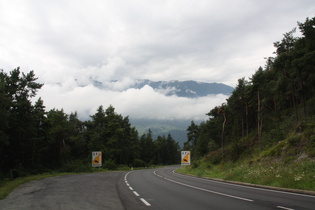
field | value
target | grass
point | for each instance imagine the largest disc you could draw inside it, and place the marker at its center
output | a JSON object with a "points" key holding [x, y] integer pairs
{"points": [[289, 163], [297, 175]]}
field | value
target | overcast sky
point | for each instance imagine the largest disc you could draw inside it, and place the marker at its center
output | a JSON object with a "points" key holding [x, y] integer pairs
{"points": [[69, 42]]}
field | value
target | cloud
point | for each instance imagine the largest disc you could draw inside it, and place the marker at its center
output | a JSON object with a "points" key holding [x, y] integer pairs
{"points": [[136, 103], [71, 43]]}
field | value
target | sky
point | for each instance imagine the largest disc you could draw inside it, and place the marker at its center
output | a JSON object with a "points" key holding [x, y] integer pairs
{"points": [[69, 43]]}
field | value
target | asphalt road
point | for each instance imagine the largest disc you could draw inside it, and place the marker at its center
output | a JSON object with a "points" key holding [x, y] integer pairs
{"points": [[164, 189], [84, 191], [147, 189]]}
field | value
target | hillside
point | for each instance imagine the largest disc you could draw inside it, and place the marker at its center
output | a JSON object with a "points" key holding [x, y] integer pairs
{"points": [[265, 133], [177, 128], [289, 163]]}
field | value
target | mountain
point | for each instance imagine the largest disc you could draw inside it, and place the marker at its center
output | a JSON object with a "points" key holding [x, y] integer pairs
{"points": [[189, 89], [177, 128]]}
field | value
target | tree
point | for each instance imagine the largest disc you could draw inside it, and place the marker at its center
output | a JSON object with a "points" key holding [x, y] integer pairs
{"points": [[59, 137], [16, 109], [192, 136], [146, 147], [112, 134]]}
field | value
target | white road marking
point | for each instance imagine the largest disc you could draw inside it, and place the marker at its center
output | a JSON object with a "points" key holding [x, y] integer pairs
{"points": [[157, 174], [145, 202], [250, 187], [136, 193], [210, 191], [281, 207]]}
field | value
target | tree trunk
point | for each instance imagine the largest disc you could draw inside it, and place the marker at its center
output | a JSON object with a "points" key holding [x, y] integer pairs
{"points": [[246, 111], [258, 117], [222, 134]]}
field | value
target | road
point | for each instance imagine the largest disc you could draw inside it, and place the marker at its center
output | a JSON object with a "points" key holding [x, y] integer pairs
{"points": [[164, 189], [84, 191], [147, 189]]}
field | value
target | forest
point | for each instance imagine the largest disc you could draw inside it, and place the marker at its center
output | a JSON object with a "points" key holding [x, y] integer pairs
{"points": [[261, 111], [33, 140]]}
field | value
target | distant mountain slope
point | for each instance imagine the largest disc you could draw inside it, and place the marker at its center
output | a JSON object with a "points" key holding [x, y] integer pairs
{"points": [[177, 128], [189, 89]]}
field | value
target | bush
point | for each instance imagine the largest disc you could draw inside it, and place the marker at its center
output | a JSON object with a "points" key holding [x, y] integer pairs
{"points": [[195, 164], [139, 163], [76, 166], [110, 165], [215, 157]]}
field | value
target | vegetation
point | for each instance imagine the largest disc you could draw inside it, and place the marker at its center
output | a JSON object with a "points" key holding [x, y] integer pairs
{"points": [[267, 121], [33, 140]]}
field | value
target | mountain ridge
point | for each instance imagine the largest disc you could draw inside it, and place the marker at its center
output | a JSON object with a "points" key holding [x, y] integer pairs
{"points": [[187, 88]]}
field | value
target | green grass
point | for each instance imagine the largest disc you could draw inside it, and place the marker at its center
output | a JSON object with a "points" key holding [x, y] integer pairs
{"points": [[296, 175], [289, 163]]}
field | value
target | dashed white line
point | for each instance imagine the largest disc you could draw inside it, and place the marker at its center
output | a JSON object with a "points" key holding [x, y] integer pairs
{"points": [[157, 174], [134, 192], [145, 202], [282, 207]]}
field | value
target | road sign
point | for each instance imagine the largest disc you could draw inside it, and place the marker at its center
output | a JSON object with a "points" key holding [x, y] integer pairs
{"points": [[97, 159], [185, 158]]}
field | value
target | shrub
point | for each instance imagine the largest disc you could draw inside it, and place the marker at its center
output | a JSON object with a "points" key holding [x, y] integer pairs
{"points": [[76, 166], [139, 163], [110, 165], [195, 164]]}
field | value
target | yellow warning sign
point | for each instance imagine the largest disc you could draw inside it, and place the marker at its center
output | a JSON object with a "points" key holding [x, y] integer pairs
{"points": [[97, 159], [185, 160]]}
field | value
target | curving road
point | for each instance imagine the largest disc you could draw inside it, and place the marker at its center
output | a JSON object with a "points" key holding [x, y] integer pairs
{"points": [[147, 189], [164, 189]]}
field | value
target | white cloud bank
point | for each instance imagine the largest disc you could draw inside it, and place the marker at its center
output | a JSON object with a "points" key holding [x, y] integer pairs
{"points": [[73, 42], [135, 103]]}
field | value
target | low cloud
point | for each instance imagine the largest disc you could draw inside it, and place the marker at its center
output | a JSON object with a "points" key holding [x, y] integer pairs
{"points": [[135, 103]]}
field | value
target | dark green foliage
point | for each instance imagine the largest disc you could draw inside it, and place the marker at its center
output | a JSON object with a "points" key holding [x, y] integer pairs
{"points": [[20, 129], [110, 165], [138, 163], [33, 140], [277, 98]]}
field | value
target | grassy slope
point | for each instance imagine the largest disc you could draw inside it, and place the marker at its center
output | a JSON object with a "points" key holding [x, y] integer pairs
{"points": [[289, 163]]}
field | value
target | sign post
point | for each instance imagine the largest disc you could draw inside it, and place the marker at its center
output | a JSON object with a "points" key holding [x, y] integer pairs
{"points": [[96, 159], [185, 160]]}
